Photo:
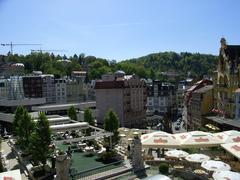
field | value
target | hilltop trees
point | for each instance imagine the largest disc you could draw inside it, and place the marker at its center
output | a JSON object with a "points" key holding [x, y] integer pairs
{"points": [[149, 66]]}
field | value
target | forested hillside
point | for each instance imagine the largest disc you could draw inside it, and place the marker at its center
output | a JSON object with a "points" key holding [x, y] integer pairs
{"points": [[149, 66]]}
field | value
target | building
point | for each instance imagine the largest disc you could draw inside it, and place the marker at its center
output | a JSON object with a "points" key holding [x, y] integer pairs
{"points": [[11, 88], [237, 103], [32, 86], [75, 91], [200, 105], [186, 116], [3, 89], [227, 79], [182, 88], [39, 86], [61, 91], [161, 97], [126, 95], [226, 84]]}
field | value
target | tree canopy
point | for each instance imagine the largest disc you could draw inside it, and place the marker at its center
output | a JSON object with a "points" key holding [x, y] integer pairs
{"points": [[111, 124], [40, 140], [23, 126], [72, 113], [149, 66], [88, 117]]}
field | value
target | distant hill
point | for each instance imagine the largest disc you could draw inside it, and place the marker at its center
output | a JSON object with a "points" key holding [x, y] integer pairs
{"points": [[149, 66], [153, 64]]}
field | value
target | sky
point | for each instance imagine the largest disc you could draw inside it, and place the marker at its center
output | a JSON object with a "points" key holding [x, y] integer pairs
{"points": [[119, 29]]}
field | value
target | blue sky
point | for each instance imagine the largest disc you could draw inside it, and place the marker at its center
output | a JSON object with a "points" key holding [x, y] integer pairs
{"points": [[119, 29]]}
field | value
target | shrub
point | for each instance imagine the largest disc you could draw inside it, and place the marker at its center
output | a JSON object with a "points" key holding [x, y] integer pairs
{"points": [[108, 157], [163, 168]]}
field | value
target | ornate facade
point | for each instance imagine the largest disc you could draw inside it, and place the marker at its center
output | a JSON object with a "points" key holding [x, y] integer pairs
{"points": [[227, 79]]}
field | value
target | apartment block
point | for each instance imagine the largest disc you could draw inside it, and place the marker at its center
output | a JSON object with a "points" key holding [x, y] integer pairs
{"points": [[124, 94]]}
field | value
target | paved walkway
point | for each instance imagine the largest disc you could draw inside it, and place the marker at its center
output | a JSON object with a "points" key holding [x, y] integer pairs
{"points": [[10, 159]]}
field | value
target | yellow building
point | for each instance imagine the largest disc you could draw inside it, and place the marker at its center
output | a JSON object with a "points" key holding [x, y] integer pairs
{"points": [[200, 105], [226, 79]]}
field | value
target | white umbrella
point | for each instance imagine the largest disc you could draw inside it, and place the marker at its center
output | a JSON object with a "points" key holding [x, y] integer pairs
{"points": [[212, 165], [197, 139], [176, 153], [233, 148], [231, 136], [135, 133], [122, 135], [159, 139], [226, 175], [197, 157]]}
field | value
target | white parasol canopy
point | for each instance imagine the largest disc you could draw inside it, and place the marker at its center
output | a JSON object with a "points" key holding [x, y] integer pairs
{"points": [[159, 139], [233, 148], [226, 175], [228, 136], [197, 139], [122, 135], [212, 165], [176, 153], [197, 158]]}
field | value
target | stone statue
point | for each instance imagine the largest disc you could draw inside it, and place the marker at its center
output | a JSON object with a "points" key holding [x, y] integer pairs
{"points": [[136, 155], [62, 166]]}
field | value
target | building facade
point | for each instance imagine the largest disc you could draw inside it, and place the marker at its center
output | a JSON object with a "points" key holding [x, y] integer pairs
{"points": [[126, 95], [200, 104], [186, 116], [227, 79], [40, 86], [161, 97], [61, 91]]}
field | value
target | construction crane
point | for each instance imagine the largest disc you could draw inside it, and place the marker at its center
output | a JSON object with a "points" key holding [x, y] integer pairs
{"points": [[49, 50], [12, 45]]}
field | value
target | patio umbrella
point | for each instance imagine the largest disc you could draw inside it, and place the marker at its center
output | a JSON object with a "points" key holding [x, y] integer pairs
{"points": [[228, 136], [226, 175], [176, 153], [233, 148], [197, 139], [159, 139], [135, 133], [122, 135], [197, 158], [212, 165]]}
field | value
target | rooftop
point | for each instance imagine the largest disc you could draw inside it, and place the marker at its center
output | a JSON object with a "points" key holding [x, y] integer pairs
{"points": [[222, 120], [204, 89]]}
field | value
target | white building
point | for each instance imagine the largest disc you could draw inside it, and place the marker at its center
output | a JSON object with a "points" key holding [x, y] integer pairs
{"points": [[161, 97], [61, 91]]}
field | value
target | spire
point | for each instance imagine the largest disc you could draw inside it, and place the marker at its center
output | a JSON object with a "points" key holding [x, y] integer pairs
{"points": [[223, 43]]}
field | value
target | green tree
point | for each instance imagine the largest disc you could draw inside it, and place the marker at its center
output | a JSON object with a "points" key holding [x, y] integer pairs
{"points": [[88, 117], [72, 113], [17, 120], [23, 126], [27, 126], [111, 124], [40, 140]]}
